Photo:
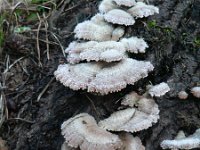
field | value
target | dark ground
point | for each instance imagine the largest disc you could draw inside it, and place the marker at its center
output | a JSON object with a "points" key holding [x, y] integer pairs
{"points": [[174, 41]]}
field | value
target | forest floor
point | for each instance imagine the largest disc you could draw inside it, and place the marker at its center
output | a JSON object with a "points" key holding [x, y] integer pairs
{"points": [[34, 104]]}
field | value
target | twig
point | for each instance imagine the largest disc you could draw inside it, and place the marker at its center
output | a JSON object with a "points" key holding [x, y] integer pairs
{"points": [[21, 119], [37, 39], [45, 88], [93, 106]]}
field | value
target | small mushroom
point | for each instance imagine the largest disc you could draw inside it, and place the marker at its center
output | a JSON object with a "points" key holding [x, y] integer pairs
{"points": [[130, 142], [118, 16], [131, 99], [182, 95], [159, 89], [141, 10], [182, 142], [82, 131], [107, 5], [89, 30], [116, 76], [134, 44], [196, 91], [144, 113], [96, 51], [128, 3]]}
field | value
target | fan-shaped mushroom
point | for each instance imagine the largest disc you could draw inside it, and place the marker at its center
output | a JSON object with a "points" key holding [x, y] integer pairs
{"points": [[146, 113], [116, 76], [82, 131], [182, 142], [118, 16], [159, 89], [134, 44], [107, 5], [89, 30], [141, 10]]}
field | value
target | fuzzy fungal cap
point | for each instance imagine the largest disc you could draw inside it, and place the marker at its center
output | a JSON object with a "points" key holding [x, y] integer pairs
{"points": [[131, 99], [138, 118], [141, 10], [134, 44], [77, 76], [107, 5], [118, 16], [130, 142], [196, 91], [182, 95], [107, 51], [116, 76], [89, 30], [82, 131], [159, 89], [190, 142], [128, 3]]}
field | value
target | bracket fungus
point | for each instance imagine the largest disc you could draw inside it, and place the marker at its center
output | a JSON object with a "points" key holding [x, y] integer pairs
{"points": [[182, 142], [82, 131], [141, 10], [130, 142], [118, 16], [107, 5], [141, 116], [159, 89], [134, 44], [196, 91], [182, 95]]}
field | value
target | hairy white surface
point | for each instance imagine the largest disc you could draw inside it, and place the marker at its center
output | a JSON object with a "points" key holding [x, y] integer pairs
{"points": [[190, 142], [159, 89], [107, 51], [115, 77], [107, 5], [134, 44], [196, 91], [141, 10], [146, 113], [82, 131], [118, 16], [89, 30]]}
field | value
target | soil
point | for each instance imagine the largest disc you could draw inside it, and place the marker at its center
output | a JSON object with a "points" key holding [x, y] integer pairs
{"points": [[174, 49]]}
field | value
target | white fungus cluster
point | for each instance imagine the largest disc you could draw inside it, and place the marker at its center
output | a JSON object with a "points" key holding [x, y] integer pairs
{"points": [[101, 65], [98, 62]]}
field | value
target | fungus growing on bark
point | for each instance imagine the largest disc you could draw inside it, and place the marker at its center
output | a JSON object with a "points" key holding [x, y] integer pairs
{"points": [[159, 89], [66, 147], [118, 16], [182, 95], [77, 76], [144, 113], [134, 44], [98, 51], [89, 30], [128, 3], [131, 99], [82, 131], [196, 91], [141, 10], [107, 5], [182, 142], [130, 142], [115, 77]]}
